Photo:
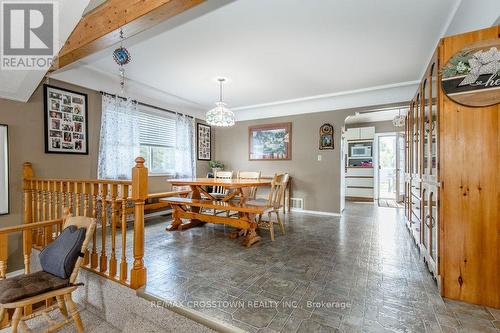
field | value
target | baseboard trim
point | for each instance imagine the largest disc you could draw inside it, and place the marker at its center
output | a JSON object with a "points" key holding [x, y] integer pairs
{"points": [[159, 213], [14, 273], [316, 212]]}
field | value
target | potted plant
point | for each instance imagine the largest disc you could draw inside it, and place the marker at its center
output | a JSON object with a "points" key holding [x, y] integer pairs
{"points": [[216, 166]]}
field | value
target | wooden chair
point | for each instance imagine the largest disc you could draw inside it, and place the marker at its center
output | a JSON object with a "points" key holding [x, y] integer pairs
{"points": [[59, 288], [219, 192], [248, 192], [251, 192], [275, 200]]}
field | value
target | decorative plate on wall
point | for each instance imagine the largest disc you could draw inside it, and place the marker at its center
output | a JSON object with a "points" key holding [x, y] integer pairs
{"points": [[472, 76]]}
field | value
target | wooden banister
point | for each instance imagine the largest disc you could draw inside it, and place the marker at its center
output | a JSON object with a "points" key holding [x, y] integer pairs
{"points": [[26, 230], [110, 202], [30, 226]]}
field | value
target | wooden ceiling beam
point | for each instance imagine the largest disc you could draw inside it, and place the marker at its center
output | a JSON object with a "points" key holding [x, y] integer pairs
{"points": [[101, 28]]}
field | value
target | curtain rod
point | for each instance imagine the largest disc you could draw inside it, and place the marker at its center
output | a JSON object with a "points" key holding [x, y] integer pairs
{"points": [[148, 105]]}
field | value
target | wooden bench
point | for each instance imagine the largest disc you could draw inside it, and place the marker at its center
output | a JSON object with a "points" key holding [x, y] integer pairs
{"points": [[153, 203], [245, 221]]}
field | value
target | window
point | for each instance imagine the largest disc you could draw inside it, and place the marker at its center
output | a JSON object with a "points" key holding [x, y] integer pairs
{"points": [[129, 129], [157, 138]]}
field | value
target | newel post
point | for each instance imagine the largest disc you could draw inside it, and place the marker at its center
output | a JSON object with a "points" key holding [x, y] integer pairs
{"points": [[28, 197], [139, 195]]}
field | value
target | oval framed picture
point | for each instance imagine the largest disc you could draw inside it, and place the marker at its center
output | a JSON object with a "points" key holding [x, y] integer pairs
{"points": [[472, 76]]}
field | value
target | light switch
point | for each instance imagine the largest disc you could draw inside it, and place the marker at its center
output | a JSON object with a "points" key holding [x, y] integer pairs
{"points": [[319, 157]]}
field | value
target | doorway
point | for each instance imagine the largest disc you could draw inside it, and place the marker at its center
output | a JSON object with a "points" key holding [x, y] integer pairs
{"points": [[390, 159]]}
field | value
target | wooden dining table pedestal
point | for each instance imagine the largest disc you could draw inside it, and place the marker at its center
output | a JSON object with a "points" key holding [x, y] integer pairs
{"points": [[246, 213]]}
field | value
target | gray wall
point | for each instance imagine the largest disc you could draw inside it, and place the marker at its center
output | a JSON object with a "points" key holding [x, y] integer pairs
{"points": [[318, 182], [26, 143]]}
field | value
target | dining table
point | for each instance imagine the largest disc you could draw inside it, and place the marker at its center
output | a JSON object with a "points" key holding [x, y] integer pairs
{"points": [[235, 189]]}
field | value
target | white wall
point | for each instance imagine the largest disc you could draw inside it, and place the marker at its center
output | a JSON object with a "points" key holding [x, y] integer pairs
{"points": [[474, 15]]}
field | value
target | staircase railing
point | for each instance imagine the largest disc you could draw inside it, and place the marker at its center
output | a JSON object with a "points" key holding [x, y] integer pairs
{"points": [[109, 201]]}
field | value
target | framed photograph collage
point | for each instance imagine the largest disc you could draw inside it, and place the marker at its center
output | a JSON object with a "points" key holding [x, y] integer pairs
{"points": [[204, 142], [66, 124]]}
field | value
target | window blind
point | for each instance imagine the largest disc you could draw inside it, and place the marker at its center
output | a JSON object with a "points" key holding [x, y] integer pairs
{"points": [[156, 129]]}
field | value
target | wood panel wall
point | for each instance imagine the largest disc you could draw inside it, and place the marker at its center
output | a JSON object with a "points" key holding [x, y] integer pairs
{"points": [[470, 177]]}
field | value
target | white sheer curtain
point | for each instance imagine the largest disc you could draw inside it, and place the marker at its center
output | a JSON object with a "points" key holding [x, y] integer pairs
{"points": [[119, 144], [185, 165]]}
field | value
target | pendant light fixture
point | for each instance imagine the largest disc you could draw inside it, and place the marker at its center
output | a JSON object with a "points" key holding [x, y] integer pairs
{"points": [[220, 115], [399, 120]]}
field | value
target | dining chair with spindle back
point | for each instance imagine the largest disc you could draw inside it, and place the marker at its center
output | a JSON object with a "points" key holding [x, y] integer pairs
{"points": [[249, 192], [275, 200], [219, 192], [23, 291]]}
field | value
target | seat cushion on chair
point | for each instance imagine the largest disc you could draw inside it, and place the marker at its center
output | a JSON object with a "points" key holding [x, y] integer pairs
{"points": [[59, 257], [24, 286]]}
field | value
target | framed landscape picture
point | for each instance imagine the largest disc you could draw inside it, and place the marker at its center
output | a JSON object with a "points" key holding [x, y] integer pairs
{"points": [[270, 142], [204, 142], [66, 122], [4, 170]]}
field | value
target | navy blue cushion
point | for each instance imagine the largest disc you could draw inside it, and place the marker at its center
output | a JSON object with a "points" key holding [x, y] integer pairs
{"points": [[59, 257]]}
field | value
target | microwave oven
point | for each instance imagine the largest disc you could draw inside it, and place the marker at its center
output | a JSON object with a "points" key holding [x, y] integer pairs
{"points": [[361, 151]]}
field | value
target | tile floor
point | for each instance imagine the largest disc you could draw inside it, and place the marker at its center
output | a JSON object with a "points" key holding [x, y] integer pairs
{"points": [[358, 273]]}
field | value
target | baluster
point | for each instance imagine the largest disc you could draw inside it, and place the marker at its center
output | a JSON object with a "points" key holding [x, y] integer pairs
{"points": [[103, 264], [47, 231], [4, 255], [39, 240], [123, 262], [78, 198], [94, 255], [27, 246], [112, 260], [85, 190], [70, 197], [58, 194], [50, 188], [64, 196], [45, 207], [139, 195], [28, 199], [50, 194], [34, 234]]}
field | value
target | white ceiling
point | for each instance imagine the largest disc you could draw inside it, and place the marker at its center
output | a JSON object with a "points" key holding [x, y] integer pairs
{"points": [[287, 49], [280, 56], [20, 84]]}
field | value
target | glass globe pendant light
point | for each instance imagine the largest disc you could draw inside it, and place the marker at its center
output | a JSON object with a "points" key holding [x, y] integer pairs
{"points": [[220, 115]]}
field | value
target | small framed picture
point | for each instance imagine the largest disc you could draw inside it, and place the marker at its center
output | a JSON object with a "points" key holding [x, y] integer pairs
{"points": [[66, 121], [204, 142]]}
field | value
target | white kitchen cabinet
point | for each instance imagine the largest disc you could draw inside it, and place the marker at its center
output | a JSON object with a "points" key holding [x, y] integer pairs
{"points": [[361, 133], [367, 133]]}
